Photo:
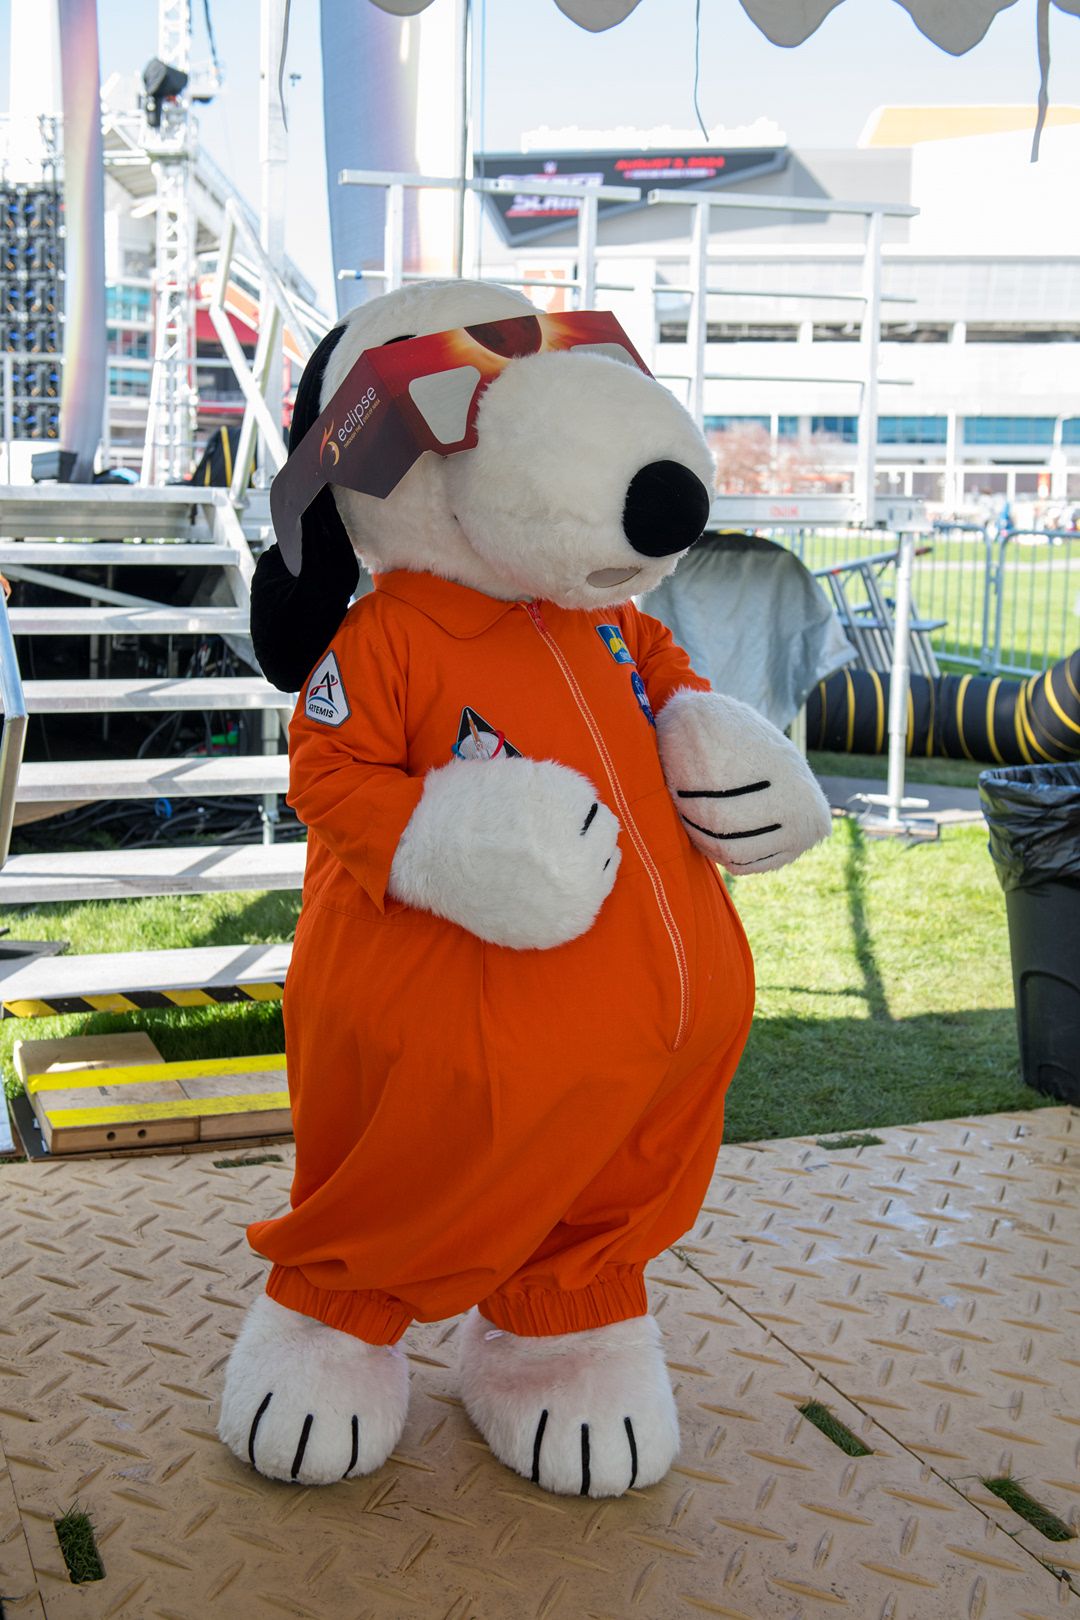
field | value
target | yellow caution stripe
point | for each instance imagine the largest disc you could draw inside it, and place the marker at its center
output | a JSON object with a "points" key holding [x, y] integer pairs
{"points": [[142, 1000], [141, 1074], [204, 1107], [879, 725]]}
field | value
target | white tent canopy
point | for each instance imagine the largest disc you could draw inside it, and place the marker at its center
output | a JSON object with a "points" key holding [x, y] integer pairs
{"points": [[954, 25]]}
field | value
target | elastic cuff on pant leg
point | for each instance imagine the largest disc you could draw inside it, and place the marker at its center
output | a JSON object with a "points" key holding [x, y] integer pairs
{"points": [[615, 1296], [366, 1313]]}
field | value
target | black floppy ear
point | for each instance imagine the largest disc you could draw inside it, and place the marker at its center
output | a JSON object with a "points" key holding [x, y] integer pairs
{"points": [[294, 620], [321, 524], [308, 393]]}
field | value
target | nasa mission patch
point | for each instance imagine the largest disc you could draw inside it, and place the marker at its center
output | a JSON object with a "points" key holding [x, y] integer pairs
{"points": [[326, 700], [477, 738]]}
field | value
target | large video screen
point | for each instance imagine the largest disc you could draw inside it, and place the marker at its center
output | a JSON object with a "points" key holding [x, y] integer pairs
{"points": [[523, 215]]}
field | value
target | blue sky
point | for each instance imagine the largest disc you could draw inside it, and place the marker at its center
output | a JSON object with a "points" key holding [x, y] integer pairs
{"points": [[540, 68]]}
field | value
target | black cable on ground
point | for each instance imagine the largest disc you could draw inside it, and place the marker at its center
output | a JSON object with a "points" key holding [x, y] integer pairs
{"points": [[146, 824]]}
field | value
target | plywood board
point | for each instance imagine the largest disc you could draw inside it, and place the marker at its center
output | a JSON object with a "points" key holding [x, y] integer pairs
{"points": [[161, 1102], [79, 1054], [84, 1052]]}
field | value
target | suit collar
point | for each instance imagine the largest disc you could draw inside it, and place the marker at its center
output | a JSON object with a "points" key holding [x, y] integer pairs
{"points": [[457, 609]]}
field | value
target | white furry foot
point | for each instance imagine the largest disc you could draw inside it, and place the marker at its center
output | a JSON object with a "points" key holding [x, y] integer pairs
{"points": [[580, 1414], [304, 1402]]}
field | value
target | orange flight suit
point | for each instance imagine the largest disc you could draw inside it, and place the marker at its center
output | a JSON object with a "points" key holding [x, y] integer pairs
{"points": [[523, 1130]]}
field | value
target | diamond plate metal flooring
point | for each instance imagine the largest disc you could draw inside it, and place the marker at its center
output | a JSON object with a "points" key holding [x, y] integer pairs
{"points": [[924, 1290]]}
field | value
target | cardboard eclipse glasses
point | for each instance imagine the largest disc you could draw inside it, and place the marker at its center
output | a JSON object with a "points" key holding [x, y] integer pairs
{"points": [[419, 394]]}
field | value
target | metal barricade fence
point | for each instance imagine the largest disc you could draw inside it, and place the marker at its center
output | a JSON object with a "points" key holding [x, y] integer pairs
{"points": [[954, 583], [998, 605], [1036, 600]]}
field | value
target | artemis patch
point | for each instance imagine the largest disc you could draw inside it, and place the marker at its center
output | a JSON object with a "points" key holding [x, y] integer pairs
{"points": [[326, 700]]}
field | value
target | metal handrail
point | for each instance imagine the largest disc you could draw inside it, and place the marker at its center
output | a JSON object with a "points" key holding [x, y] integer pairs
{"points": [[14, 734], [258, 413]]}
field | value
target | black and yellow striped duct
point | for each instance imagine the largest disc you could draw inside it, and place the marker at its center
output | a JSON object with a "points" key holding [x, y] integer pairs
{"points": [[953, 716]]}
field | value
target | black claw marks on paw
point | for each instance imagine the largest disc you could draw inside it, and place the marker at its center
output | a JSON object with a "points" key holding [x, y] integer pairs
{"points": [[754, 832], [302, 1447], [256, 1420], [356, 1446], [537, 1443], [633, 1452], [723, 793], [586, 1472], [589, 819]]}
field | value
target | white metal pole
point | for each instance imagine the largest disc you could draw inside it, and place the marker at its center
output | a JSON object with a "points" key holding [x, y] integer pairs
{"points": [[273, 153], [9, 412], [394, 238], [870, 338], [462, 20], [697, 330], [900, 678], [586, 251]]}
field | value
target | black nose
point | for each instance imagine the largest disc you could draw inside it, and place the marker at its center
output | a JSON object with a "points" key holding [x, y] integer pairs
{"points": [[666, 509]]}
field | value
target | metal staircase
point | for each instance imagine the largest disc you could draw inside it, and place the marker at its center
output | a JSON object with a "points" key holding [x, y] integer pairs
{"points": [[185, 526]]}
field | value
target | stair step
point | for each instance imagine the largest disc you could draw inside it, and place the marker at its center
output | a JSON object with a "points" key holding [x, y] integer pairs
{"points": [[110, 511], [194, 778], [98, 553], [110, 697], [255, 519], [123, 874], [127, 980], [122, 621]]}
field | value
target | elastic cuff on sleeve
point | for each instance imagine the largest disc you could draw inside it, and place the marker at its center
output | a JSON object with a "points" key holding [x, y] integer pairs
{"points": [[617, 1295], [366, 1313]]}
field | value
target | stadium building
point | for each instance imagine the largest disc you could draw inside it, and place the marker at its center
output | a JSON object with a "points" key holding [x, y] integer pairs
{"points": [[978, 400]]}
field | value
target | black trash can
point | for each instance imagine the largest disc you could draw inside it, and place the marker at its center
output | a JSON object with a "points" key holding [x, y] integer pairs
{"points": [[1034, 816]]}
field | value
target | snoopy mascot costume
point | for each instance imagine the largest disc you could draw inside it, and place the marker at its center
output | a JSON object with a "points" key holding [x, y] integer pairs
{"points": [[519, 989]]}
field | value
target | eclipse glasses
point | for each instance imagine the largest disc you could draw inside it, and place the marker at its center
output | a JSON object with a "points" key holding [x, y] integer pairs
{"points": [[419, 394]]}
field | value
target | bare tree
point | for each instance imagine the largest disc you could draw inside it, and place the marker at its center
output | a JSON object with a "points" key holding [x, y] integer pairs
{"points": [[748, 463]]}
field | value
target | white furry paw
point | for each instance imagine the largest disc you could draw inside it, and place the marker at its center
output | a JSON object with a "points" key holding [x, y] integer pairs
{"points": [[746, 796], [518, 851], [304, 1402], [580, 1414]]}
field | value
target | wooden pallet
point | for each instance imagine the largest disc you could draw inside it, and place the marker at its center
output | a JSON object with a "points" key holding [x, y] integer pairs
{"points": [[84, 1099]]}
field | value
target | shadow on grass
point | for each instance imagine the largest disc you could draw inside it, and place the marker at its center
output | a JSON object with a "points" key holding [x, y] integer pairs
{"points": [[855, 876], [820, 1076], [269, 915]]}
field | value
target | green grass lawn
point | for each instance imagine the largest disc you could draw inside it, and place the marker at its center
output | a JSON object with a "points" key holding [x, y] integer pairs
{"points": [[884, 989], [961, 773], [884, 992]]}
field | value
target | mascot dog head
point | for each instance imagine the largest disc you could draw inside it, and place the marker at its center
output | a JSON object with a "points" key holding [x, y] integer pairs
{"points": [[587, 484]]}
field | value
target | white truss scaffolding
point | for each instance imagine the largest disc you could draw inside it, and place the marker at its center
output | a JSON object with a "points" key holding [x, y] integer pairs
{"points": [[172, 414]]}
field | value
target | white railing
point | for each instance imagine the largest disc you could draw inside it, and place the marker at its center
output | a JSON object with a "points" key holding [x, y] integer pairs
{"points": [[871, 297], [395, 185], [259, 413], [9, 413], [14, 736]]}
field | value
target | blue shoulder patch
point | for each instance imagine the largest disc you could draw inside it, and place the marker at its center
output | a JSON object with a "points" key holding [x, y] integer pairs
{"points": [[642, 696], [611, 636]]}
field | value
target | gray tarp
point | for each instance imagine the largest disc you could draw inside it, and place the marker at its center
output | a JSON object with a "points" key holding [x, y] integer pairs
{"points": [[754, 620]]}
